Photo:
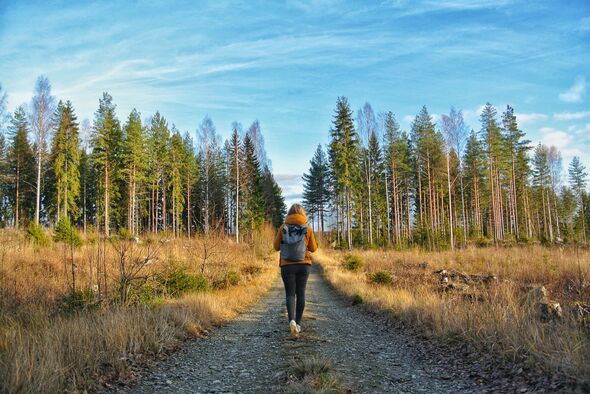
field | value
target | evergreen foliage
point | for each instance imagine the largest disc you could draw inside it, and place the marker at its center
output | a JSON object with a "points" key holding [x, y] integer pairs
{"points": [[444, 190]]}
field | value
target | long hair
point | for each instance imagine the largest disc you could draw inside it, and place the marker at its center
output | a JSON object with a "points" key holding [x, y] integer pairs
{"points": [[296, 209]]}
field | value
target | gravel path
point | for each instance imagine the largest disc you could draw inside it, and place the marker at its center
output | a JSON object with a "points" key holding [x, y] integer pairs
{"points": [[253, 352]]}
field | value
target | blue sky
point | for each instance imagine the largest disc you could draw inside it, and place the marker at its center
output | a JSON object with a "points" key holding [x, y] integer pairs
{"points": [[285, 63]]}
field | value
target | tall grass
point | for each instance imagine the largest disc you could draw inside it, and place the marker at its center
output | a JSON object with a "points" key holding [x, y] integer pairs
{"points": [[48, 343], [495, 317]]}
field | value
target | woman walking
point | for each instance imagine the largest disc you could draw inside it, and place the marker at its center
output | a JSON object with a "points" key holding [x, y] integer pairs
{"points": [[295, 241]]}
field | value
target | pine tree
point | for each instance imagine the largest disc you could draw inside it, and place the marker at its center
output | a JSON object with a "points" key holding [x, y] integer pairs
{"points": [[65, 162], [495, 151], [158, 161], [542, 180], [519, 171], [366, 126], [578, 178], [474, 164], [177, 168], [107, 158], [430, 176], [375, 179], [191, 178]]}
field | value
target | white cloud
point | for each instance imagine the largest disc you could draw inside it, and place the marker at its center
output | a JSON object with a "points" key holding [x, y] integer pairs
{"points": [[292, 187], [551, 136], [575, 93], [529, 118], [571, 115]]}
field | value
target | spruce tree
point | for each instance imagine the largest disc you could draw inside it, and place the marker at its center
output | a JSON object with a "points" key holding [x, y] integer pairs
{"points": [[344, 151], [134, 152], [274, 203], [316, 186], [65, 162], [21, 168], [253, 214]]}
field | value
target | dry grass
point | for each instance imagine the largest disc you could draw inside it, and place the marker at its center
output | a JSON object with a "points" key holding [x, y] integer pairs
{"points": [[492, 318], [313, 375], [44, 349]]}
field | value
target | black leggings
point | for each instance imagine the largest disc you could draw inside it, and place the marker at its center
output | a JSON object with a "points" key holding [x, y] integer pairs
{"points": [[295, 278]]}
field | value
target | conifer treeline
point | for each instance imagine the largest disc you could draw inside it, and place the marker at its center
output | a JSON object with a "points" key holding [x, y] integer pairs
{"points": [[140, 176], [440, 185]]}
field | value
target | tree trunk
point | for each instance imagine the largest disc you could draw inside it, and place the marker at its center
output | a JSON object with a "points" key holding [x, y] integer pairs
{"points": [[450, 204]]}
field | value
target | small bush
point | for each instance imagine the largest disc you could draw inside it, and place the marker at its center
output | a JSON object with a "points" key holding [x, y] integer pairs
{"points": [[124, 234], [66, 233], [352, 262], [483, 242], [149, 293], [251, 270], [230, 278], [77, 300], [36, 235], [381, 277], [179, 281]]}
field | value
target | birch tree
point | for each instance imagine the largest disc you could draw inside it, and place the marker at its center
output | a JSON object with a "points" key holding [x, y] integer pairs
{"points": [[43, 107]]}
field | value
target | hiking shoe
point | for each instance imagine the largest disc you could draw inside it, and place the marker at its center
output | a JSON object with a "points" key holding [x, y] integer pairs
{"points": [[298, 328], [293, 327]]}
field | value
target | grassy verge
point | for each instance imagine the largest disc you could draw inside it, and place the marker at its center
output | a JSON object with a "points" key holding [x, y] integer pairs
{"points": [[313, 375], [493, 313], [51, 343]]}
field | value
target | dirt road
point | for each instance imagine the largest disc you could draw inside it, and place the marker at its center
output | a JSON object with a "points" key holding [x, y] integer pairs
{"points": [[253, 353]]}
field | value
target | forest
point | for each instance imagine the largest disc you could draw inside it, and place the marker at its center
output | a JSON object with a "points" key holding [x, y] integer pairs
{"points": [[129, 176], [443, 185]]}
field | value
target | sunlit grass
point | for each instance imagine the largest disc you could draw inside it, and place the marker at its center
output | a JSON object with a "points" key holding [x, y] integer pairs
{"points": [[44, 349], [493, 317]]}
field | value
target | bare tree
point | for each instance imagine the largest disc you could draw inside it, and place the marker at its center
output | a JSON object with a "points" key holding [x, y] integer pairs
{"points": [[455, 135], [43, 106], [208, 141], [132, 260], [367, 125]]}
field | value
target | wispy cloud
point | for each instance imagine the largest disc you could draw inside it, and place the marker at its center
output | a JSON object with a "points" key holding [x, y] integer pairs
{"points": [[530, 118], [562, 140], [285, 63], [291, 185], [571, 115], [576, 92]]}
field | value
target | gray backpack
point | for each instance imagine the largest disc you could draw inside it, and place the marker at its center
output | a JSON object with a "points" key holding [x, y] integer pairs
{"points": [[293, 246]]}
